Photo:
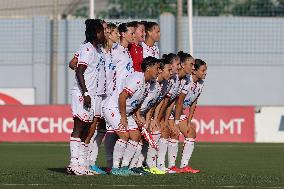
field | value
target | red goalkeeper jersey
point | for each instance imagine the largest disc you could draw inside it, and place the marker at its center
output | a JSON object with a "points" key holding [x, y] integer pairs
{"points": [[136, 53]]}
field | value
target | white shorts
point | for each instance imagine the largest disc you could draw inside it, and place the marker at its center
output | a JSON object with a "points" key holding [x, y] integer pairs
{"points": [[78, 109], [112, 118]]}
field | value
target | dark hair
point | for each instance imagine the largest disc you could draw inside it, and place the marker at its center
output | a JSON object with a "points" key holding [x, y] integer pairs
{"points": [[148, 62], [134, 23], [163, 63], [169, 57], [183, 56], [198, 64], [149, 25], [124, 27], [93, 27]]}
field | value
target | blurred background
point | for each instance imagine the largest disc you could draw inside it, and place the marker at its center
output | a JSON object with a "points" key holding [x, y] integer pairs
{"points": [[242, 42]]}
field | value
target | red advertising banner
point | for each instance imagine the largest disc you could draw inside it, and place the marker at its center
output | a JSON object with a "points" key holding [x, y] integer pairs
{"points": [[224, 123], [55, 123], [35, 123]]}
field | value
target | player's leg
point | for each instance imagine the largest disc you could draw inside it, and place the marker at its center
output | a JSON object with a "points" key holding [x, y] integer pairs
{"points": [[189, 132], [112, 117], [110, 140], [82, 119], [173, 147], [95, 142], [163, 146]]}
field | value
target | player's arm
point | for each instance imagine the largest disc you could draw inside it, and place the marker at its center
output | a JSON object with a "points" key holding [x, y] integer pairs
{"points": [[165, 104], [149, 116], [73, 62], [169, 112], [191, 111], [122, 107], [179, 106], [80, 77], [137, 116]]}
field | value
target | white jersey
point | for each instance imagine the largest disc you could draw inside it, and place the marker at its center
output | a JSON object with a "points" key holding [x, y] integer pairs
{"points": [[88, 56], [153, 94], [174, 91], [110, 68], [135, 86], [191, 90], [123, 63], [150, 51], [101, 79], [166, 86]]}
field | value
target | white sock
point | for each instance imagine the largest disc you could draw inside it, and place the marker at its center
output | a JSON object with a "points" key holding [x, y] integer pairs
{"points": [[172, 152], [110, 140], [188, 147], [74, 150], [96, 141], [163, 146], [118, 152], [136, 156], [152, 153], [129, 152], [83, 153]]}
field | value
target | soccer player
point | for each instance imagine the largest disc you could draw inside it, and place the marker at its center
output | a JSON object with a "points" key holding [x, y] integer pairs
{"points": [[170, 133], [135, 48], [188, 99], [83, 94], [118, 112], [158, 89], [120, 53], [156, 125], [152, 36]]}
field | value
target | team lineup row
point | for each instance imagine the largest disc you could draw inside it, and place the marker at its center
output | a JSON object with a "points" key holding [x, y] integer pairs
{"points": [[123, 93]]}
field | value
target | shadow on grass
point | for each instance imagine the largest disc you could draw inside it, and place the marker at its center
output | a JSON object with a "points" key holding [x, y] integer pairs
{"points": [[58, 170]]}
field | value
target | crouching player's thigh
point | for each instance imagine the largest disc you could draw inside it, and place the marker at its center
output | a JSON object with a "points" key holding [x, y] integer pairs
{"points": [[112, 118]]}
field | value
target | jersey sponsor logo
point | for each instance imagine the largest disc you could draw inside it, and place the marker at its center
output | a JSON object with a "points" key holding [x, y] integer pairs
{"points": [[111, 66], [281, 127], [186, 102], [151, 103], [134, 104]]}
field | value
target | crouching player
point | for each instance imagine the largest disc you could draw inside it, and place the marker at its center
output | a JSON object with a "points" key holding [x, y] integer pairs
{"points": [[188, 99], [118, 110]]}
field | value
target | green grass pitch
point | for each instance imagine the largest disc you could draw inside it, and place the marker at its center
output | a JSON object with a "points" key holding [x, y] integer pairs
{"points": [[223, 165]]}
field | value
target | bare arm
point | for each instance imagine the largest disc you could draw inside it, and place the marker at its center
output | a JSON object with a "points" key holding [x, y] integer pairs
{"points": [[122, 107], [179, 106], [73, 63], [80, 76], [163, 108], [191, 111]]}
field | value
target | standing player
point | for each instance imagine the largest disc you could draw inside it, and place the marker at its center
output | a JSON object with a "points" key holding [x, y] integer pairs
{"points": [[111, 137], [83, 94], [135, 48], [188, 99], [118, 112], [152, 36]]}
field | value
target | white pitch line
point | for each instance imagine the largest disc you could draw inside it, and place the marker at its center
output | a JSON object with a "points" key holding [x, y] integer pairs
{"points": [[198, 145], [134, 185]]}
